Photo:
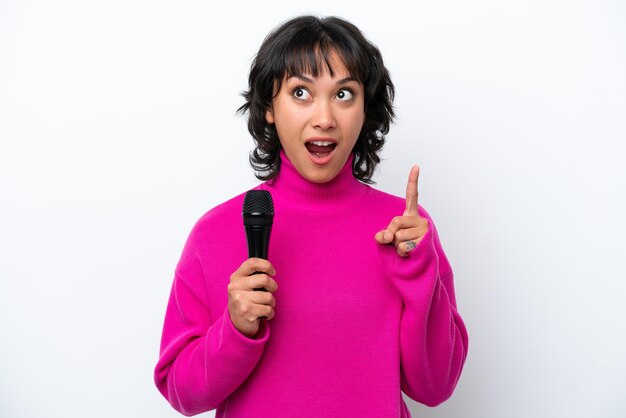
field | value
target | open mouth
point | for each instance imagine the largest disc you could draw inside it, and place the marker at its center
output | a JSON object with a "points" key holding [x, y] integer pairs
{"points": [[320, 149]]}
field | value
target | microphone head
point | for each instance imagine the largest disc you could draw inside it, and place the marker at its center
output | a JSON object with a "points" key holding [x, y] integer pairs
{"points": [[258, 208]]}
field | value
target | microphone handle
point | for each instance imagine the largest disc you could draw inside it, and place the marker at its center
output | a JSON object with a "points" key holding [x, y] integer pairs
{"points": [[258, 245]]}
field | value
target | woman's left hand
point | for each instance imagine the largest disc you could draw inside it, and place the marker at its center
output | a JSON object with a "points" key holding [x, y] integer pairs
{"points": [[406, 231]]}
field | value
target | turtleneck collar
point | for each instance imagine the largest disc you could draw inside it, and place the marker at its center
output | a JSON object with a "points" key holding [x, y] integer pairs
{"points": [[291, 189]]}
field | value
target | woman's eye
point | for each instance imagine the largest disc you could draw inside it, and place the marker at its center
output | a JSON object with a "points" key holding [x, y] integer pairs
{"points": [[300, 93], [345, 95]]}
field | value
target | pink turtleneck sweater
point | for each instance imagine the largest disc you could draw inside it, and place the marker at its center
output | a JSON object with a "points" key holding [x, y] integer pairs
{"points": [[355, 323]]}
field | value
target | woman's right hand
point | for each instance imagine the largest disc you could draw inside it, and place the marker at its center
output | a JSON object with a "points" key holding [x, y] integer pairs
{"points": [[247, 306]]}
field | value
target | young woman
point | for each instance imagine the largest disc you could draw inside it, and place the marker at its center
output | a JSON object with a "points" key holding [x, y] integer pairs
{"points": [[360, 302]]}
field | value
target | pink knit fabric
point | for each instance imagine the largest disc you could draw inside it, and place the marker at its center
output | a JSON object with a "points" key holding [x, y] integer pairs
{"points": [[355, 323]]}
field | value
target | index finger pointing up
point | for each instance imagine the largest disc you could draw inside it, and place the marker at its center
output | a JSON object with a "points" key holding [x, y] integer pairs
{"points": [[411, 192]]}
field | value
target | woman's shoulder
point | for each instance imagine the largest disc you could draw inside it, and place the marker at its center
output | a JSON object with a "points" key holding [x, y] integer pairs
{"points": [[228, 208], [222, 216], [385, 197], [227, 214], [391, 203]]}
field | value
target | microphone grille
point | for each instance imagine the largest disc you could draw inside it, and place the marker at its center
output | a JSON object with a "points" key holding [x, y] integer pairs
{"points": [[258, 208]]}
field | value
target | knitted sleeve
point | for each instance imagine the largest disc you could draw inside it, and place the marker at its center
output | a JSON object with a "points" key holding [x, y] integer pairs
{"points": [[433, 337], [203, 359]]}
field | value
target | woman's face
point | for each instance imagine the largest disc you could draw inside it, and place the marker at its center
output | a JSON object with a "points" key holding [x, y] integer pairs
{"points": [[318, 120]]}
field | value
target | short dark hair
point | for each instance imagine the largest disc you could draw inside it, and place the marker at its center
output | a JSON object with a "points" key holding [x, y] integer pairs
{"points": [[298, 46]]}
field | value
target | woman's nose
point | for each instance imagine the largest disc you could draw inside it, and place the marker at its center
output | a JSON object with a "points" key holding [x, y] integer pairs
{"points": [[323, 116]]}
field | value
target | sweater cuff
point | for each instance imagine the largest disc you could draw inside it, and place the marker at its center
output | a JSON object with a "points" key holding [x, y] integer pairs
{"points": [[231, 333]]}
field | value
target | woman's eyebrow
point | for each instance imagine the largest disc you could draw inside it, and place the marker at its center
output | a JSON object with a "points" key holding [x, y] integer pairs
{"points": [[309, 80], [301, 77]]}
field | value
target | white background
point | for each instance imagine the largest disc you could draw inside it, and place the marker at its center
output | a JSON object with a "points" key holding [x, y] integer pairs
{"points": [[118, 131]]}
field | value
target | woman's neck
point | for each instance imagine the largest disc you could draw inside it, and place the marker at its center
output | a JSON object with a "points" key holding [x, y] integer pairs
{"points": [[291, 189]]}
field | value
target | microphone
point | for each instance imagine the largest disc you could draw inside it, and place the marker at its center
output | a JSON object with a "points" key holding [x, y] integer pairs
{"points": [[258, 217]]}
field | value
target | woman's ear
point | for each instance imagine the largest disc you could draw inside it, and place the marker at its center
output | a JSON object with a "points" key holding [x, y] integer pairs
{"points": [[269, 116]]}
